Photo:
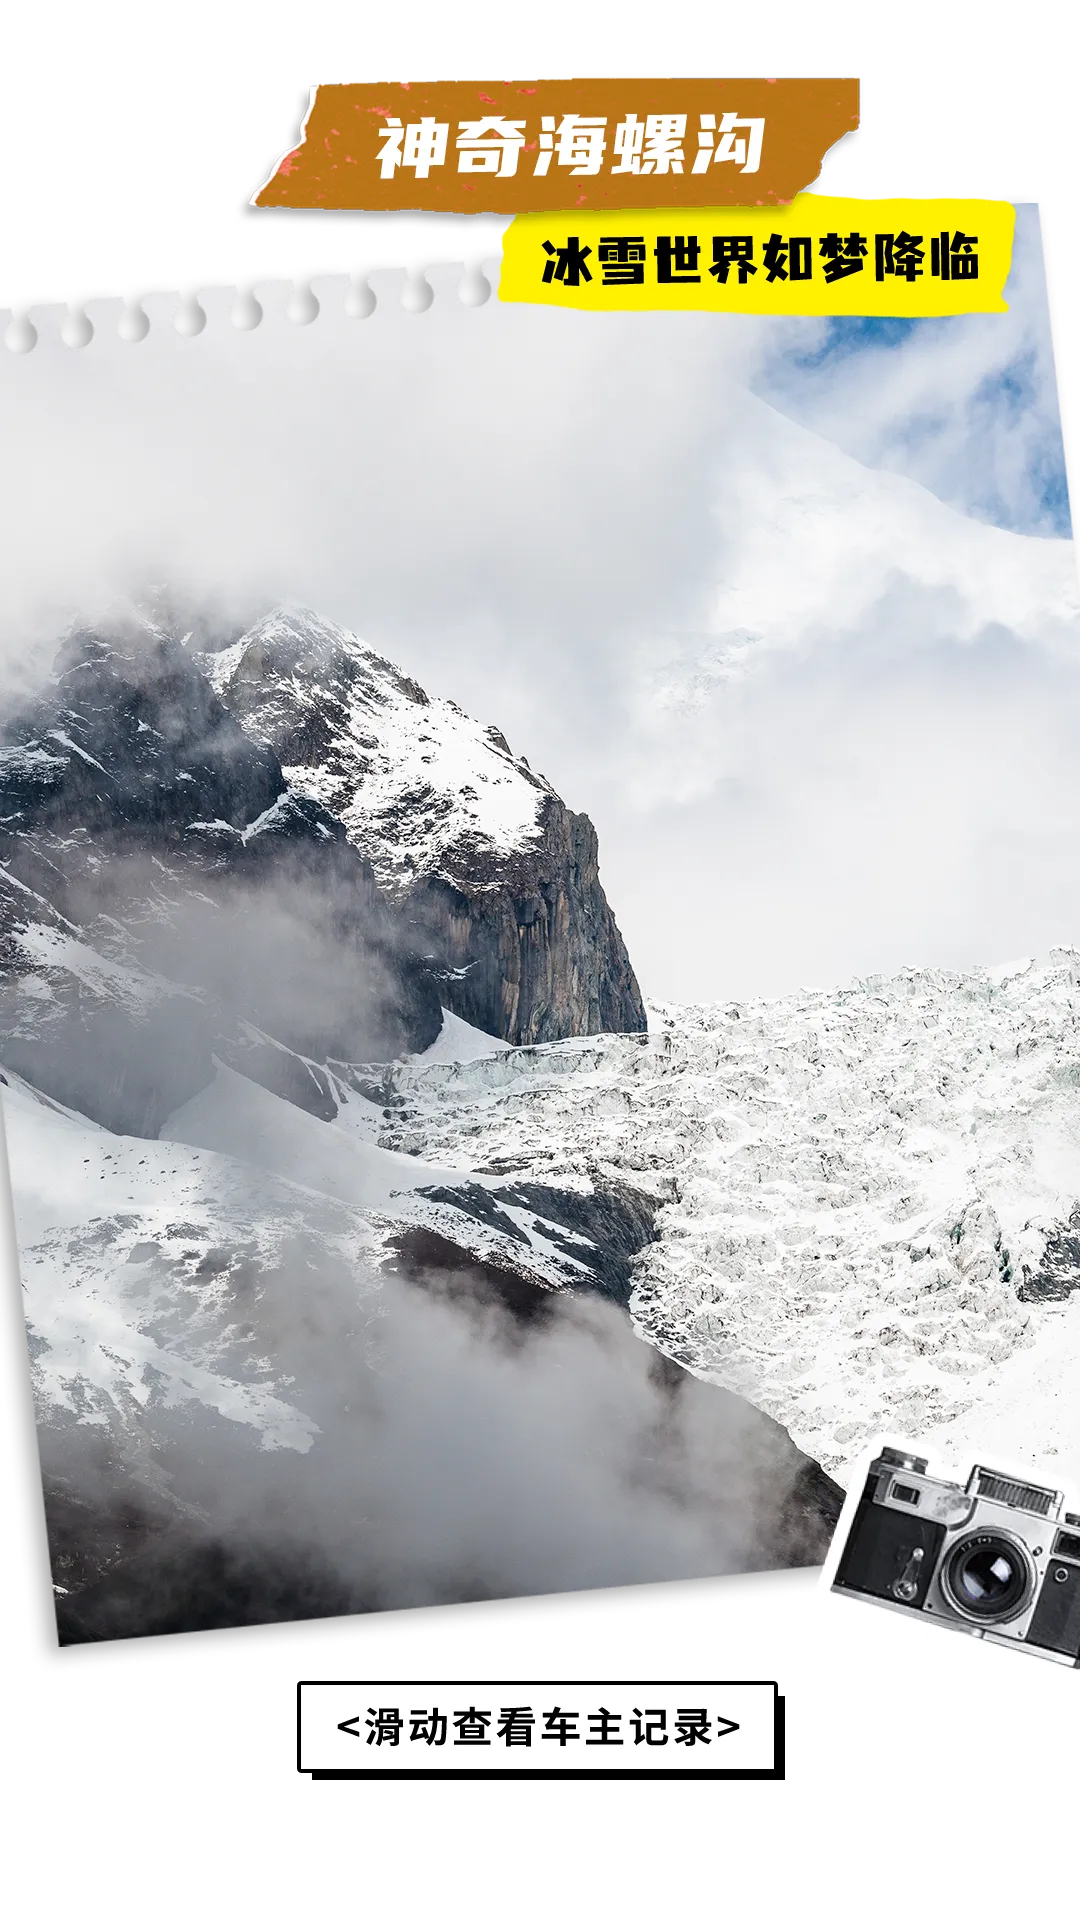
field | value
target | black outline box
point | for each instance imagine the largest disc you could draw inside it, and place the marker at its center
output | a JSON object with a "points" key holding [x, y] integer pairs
{"points": [[607, 1773]]}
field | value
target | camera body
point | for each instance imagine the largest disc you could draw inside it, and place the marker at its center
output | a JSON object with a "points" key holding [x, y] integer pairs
{"points": [[999, 1559]]}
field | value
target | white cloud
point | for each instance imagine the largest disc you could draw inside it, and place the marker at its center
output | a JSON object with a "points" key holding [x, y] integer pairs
{"points": [[545, 516], [966, 406]]}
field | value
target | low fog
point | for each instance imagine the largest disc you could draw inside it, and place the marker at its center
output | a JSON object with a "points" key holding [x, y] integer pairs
{"points": [[315, 963], [461, 1454], [167, 834]]}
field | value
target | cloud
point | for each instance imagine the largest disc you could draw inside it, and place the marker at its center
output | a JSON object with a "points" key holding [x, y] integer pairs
{"points": [[862, 804], [457, 1457], [538, 513], [966, 406]]}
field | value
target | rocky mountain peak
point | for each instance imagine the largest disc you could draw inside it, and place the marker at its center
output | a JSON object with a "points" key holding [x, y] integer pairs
{"points": [[287, 829], [466, 839], [128, 735], [417, 783], [168, 897], [238, 880]]}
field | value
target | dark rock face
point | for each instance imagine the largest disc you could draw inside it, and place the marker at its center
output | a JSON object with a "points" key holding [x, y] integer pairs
{"points": [[604, 1230], [135, 1562], [473, 849], [450, 1271], [133, 737], [598, 1234], [536, 955], [1057, 1274], [165, 894]]}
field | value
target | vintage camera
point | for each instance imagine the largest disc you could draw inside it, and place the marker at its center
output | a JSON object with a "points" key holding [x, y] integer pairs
{"points": [[999, 1559]]}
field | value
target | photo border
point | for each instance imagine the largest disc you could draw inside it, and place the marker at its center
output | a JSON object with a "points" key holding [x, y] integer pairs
{"points": [[275, 1650]]}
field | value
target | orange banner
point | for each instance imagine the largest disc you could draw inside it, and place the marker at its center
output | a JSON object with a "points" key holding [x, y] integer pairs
{"points": [[545, 145]]}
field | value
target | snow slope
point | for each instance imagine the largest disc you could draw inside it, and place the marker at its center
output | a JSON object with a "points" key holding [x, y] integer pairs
{"points": [[457, 1041], [175, 1274], [864, 1188], [411, 777], [255, 1402], [137, 1257], [236, 1117]]}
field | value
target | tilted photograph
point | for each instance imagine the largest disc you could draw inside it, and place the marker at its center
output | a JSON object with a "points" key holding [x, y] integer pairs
{"points": [[539, 939]]}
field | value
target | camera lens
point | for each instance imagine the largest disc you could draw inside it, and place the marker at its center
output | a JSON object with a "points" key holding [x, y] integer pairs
{"points": [[988, 1577]]}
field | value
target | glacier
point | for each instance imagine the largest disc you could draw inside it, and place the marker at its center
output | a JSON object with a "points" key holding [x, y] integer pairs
{"points": [[839, 1213], [869, 1219]]}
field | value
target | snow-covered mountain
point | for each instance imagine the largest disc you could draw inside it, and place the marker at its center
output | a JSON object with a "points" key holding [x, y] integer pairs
{"points": [[167, 897], [872, 1219], [228, 1273], [418, 784], [295, 1236], [155, 848], [282, 1371], [856, 1211], [467, 841]]}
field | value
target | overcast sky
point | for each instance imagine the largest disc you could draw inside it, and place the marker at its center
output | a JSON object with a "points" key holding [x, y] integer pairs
{"points": [[785, 605]]}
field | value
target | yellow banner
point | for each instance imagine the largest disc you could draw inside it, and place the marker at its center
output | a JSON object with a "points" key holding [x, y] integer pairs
{"points": [[883, 258]]}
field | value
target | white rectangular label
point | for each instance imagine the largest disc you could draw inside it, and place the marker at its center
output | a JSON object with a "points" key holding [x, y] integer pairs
{"points": [[401, 1729]]}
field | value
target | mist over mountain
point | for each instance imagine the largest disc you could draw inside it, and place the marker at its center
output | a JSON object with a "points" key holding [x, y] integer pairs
{"points": [[467, 841], [284, 1368], [321, 906], [338, 1299]]}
